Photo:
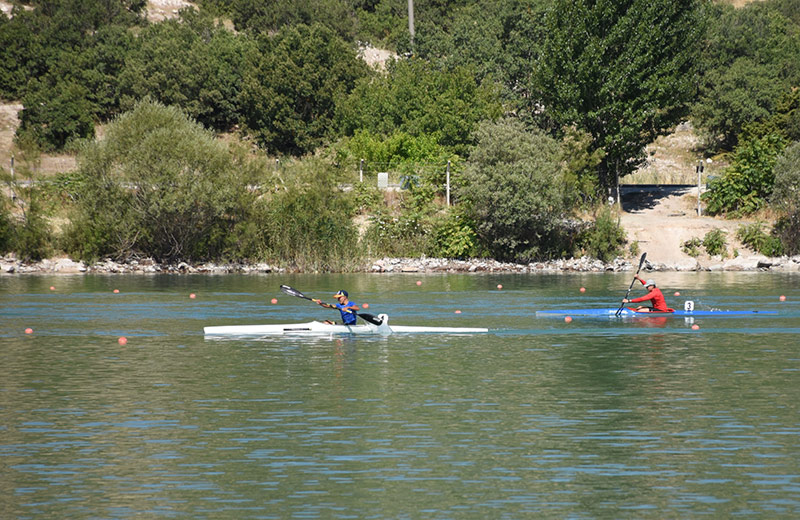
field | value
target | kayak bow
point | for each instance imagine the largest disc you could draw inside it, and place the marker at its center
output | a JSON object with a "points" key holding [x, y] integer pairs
{"points": [[321, 328]]}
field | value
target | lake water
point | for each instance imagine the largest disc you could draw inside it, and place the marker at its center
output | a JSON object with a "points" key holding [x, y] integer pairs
{"points": [[597, 418]]}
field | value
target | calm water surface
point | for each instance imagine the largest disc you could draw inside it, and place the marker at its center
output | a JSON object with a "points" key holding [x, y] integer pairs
{"points": [[598, 418]]}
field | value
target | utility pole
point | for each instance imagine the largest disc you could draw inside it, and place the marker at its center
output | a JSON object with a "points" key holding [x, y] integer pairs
{"points": [[411, 21], [699, 173]]}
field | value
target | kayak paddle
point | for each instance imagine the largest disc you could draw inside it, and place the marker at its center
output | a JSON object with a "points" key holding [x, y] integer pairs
{"points": [[375, 320], [641, 261]]}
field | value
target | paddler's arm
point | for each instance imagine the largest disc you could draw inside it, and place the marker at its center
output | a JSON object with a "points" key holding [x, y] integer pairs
{"points": [[323, 304]]}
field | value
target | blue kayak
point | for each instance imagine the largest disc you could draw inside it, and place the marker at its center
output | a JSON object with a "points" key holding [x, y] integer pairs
{"points": [[628, 312]]}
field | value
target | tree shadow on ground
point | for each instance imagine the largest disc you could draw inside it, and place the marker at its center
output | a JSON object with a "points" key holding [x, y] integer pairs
{"points": [[636, 198]]}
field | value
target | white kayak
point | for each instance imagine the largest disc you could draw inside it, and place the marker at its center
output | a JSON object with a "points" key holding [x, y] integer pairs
{"points": [[321, 328]]}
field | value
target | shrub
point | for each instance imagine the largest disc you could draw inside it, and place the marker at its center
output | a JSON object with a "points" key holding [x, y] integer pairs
{"points": [[787, 232], [158, 185], [747, 183], [6, 228], [605, 238], [754, 237], [715, 242], [402, 236], [692, 247], [454, 237], [786, 196], [516, 191]]}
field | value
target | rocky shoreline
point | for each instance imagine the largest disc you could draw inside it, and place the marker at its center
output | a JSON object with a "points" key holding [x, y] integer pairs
{"points": [[9, 265]]}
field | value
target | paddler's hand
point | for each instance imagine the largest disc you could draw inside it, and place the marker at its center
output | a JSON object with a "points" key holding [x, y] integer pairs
{"points": [[625, 300]]}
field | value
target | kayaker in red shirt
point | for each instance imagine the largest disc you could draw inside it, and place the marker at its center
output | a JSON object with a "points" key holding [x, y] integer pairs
{"points": [[659, 304]]}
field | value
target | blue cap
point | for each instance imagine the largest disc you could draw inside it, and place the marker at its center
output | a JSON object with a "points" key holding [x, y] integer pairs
{"points": [[341, 292]]}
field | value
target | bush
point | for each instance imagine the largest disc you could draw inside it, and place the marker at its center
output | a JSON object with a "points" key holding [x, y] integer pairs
{"points": [[692, 247], [605, 239], [405, 235], [715, 242], [454, 237], [754, 237], [787, 232], [747, 183], [516, 191], [159, 185], [6, 226], [308, 225], [786, 196]]}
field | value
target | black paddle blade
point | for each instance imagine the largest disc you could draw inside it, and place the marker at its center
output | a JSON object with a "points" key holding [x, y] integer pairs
{"points": [[293, 292], [641, 261], [375, 320]]}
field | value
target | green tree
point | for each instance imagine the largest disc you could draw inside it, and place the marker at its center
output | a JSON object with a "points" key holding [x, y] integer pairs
{"points": [[55, 115], [786, 196], [497, 44], [416, 98], [158, 185], [748, 66], [191, 63], [308, 224], [263, 16], [516, 191], [291, 90], [623, 71]]}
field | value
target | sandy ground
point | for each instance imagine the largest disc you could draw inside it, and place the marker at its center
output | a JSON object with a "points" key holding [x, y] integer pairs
{"points": [[662, 221]]}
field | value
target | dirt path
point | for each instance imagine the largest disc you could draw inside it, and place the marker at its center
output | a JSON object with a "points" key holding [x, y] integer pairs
{"points": [[662, 221]]}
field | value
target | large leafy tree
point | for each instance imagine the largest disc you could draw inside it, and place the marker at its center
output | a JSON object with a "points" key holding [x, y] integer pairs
{"points": [[417, 98], [498, 44], [262, 16], [621, 70], [293, 85], [191, 63], [748, 66]]}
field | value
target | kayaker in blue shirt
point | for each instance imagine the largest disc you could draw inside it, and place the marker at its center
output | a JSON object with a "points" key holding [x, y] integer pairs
{"points": [[344, 305]]}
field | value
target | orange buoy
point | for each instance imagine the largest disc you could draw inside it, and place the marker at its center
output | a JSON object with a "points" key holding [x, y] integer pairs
{"points": [[123, 341], [52, 288], [499, 286], [782, 298], [193, 296], [695, 327], [568, 319], [274, 301], [677, 293], [583, 289], [366, 306], [458, 312], [116, 291], [419, 282], [29, 331]]}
